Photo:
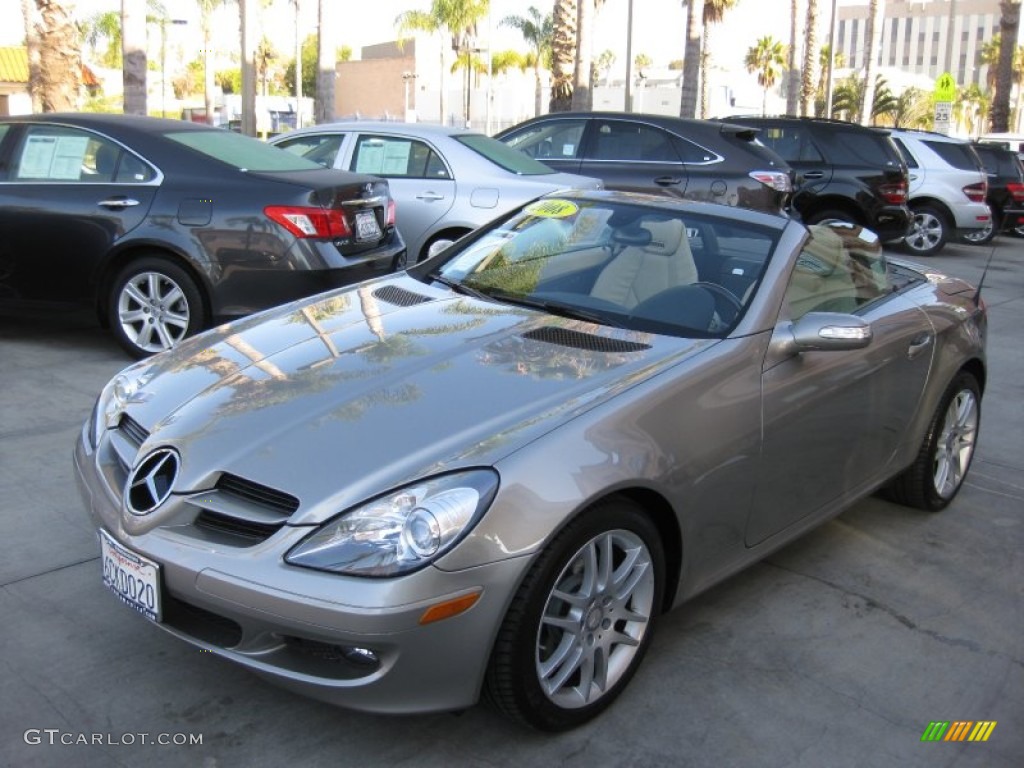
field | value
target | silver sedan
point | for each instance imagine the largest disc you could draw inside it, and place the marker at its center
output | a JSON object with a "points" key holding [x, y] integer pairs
{"points": [[445, 181], [489, 475]]}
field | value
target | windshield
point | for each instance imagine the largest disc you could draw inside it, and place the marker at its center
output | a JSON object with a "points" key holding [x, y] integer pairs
{"points": [[242, 152], [503, 156], [633, 266]]}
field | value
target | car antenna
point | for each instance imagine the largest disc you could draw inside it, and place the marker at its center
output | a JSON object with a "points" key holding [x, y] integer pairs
{"points": [[984, 273]]}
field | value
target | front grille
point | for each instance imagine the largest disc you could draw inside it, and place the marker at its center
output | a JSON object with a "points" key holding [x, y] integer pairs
{"points": [[279, 501], [566, 337], [132, 430], [400, 297], [241, 512], [218, 522]]}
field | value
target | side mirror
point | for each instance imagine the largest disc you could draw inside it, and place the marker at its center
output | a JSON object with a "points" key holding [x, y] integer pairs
{"points": [[830, 331]]}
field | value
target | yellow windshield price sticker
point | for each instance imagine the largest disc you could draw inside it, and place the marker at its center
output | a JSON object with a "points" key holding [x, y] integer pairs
{"points": [[552, 209]]}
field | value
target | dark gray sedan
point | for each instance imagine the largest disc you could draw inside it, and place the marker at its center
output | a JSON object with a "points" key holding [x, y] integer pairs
{"points": [[489, 476], [167, 227]]}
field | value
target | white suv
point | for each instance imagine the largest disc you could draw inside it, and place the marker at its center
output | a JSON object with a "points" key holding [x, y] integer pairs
{"points": [[947, 189]]}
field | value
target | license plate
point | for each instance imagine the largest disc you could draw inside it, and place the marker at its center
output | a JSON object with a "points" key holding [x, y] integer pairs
{"points": [[132, 577], [366, 226]]}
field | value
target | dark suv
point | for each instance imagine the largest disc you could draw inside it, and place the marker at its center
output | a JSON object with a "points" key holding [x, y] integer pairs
{"points": [[695, 159], [1005, 191], [843, 170]]}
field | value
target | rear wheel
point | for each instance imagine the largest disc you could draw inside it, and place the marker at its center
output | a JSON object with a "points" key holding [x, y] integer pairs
{"points": [[439, 242], [821, 217], [153, 304], [981, 236], [938, 472], [928, 231], [581, 621]]}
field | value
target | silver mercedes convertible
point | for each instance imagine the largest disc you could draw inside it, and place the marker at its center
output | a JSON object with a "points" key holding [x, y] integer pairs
{"points": [[488, 476]]}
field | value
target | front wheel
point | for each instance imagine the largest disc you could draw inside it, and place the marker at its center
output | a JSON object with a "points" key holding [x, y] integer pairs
{"points": [[928, 232], [581, 621], [153, 304], [938, 472]]}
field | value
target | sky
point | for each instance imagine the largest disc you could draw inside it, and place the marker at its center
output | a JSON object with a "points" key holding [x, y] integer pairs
{"points": [[659, 25]]}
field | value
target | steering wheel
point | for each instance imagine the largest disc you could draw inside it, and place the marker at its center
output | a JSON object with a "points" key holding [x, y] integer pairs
{"points": [[723, 293]]}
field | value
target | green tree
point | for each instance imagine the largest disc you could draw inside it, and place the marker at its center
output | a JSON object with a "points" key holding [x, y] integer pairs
{"points": [[766, 59], [105, 27], [309, 64], [538, 31], [606, 61], [913, 107]]}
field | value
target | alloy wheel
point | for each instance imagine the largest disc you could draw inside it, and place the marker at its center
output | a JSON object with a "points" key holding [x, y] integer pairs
{"points": [[955, 444], [153, 311]]}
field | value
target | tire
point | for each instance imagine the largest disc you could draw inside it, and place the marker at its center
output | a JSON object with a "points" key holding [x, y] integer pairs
{"points": [[929, 231], [152, 305], [981, 236], [938, 472], [819, 217], [559, 673], [438, 243]]}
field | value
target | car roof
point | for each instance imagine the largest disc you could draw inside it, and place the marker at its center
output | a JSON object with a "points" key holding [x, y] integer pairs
{"points": [[822, 121], [412, 129], [138, 123]]}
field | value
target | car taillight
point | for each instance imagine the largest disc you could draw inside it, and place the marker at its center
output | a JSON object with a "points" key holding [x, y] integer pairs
{"points": [[894, 194], [1016, 190], [391, 213], [976, 192], [777, 180], [303, 221]]}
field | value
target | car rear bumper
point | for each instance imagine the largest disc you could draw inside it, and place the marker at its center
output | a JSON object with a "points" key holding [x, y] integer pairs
{"points": [[892, 223], [243, 288], [1012, 216], [311, 631]]}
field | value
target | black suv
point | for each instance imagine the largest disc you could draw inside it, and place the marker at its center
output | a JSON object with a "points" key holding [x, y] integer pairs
{"points": [[1005, 191], [843, 170], [695, 159]]}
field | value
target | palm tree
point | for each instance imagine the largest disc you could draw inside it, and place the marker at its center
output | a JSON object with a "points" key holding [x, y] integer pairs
{"points": [[563, 54], [206, 10], [54, 56], [714, 12], [106, 26], [912, 109], [1009, 23], [766, 60], [876, 10], [582, 88], [971, 108], [454, 18], [691, 59], [820, 97], [605, 62], [807, 76], [792, 80], [538, 31]]}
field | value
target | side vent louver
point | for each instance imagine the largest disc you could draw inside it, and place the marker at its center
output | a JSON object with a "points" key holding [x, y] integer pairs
{"points": [[245, 512], [566, 337]]}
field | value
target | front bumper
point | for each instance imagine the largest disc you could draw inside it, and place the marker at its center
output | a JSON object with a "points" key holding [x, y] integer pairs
{"points": [[298, 627]]}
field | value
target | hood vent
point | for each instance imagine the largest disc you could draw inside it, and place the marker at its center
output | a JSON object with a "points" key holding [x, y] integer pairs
{"points": [[566, 337], [277, 501], [400, 297]]}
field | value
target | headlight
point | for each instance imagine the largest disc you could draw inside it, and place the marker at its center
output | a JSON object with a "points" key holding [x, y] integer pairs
{"points": [[401, 531], [112, 400]]}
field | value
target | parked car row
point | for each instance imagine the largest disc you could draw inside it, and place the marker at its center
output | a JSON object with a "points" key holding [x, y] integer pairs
{"points": [[168, 227]]}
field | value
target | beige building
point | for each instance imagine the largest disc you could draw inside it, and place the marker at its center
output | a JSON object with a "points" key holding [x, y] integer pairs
{"points": [[925, 37]]}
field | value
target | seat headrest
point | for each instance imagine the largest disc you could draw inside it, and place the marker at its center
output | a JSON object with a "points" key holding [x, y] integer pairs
{"points": [[665, 236]]}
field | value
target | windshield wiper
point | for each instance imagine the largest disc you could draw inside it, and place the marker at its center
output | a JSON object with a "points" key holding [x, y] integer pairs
{"points": [[462, 288], [554, 307]]}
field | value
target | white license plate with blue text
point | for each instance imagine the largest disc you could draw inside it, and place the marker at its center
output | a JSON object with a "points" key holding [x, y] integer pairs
{"points": [[366, 226], [132, 577]]}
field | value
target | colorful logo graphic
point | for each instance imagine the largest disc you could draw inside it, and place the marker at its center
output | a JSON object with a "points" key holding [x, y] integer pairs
{"points": [[958, 730]]}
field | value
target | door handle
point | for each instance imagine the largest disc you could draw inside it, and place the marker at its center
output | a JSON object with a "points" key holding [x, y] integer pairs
{"points": [[814, 175], [666, 181], [919, 344], [430, 197], [118, 202]]}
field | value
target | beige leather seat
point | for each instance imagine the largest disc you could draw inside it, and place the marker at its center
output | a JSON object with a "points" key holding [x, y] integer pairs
{"points": [[822, 280], [640, 272]]}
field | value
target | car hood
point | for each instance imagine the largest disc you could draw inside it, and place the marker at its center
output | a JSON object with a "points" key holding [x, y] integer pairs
{"points": [[337, 399]]}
